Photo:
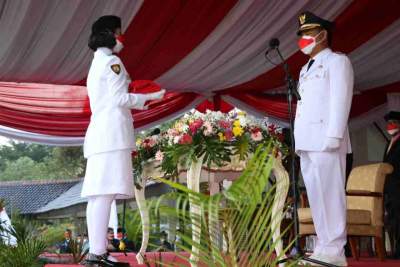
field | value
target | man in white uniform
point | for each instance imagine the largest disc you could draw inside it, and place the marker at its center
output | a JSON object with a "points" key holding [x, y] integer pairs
{"points": [[321, 134], [109, 139]]}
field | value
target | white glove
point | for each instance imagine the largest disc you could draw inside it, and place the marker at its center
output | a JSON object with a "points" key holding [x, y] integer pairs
{"points": [[156, 95], [331, 144]]}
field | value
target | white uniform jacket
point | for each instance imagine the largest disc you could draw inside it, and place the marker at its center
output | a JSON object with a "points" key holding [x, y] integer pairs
{"points": [[111, 123], [326, 91]]}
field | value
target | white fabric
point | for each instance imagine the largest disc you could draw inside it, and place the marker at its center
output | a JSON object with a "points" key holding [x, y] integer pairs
{"points": [[376, 62], [5, 223], [113, 222], [234, 52], [324, 178], [111, 123], [40, 138], [46, 40], [326, 91], [109, 173], [97, 217]]}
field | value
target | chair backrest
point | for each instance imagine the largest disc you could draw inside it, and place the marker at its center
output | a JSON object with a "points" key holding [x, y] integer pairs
{"points": [[368, 179]]}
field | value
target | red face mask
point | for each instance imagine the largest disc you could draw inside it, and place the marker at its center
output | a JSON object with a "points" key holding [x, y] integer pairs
{"points": [[120, 38], [392, 128]]}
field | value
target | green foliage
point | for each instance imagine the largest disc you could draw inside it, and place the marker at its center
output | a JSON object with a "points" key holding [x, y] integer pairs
{"points": [[29, 247], [23, 161], [133, 226], [243, 213]]}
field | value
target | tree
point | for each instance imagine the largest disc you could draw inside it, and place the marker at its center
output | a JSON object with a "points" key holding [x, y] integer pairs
{"points": [[24, 161]]}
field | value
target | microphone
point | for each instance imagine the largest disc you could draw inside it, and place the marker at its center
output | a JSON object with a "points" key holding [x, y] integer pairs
{"points": [[273, 44], [156, 131]]}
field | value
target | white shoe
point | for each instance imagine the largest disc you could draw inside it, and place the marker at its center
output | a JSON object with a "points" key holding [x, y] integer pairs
{"points": [[335, 260]]}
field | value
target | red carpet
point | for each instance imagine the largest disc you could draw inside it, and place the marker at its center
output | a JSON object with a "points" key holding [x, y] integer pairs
{"points": [[171, 258]]}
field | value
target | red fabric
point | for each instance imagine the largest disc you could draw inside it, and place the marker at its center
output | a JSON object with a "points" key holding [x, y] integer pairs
{"points": [[273, 105], [64, 110], [215, 105], [357, 24], [143, 87], [372, 98], [276, 105]]}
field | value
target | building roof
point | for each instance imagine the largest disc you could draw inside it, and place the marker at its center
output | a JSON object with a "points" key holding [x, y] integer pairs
{"points": [[69, 198], [28, 196]]}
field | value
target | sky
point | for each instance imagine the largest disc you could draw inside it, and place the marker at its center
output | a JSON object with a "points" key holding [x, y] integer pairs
{"points": [[3, 140]]}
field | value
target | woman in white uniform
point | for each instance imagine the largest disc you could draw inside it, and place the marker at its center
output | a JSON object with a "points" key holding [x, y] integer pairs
{"points": [[109, 139]]}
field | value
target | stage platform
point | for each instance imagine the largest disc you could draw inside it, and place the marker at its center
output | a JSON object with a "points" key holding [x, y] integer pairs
{"points": [[171, 258]]}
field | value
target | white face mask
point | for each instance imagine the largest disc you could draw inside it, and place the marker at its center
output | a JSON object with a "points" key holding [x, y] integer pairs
{"points": [[118, 46], [307, 43]]}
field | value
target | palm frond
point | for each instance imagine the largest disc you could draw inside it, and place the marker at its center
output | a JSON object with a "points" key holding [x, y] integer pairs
{"points": [[234, 227]]}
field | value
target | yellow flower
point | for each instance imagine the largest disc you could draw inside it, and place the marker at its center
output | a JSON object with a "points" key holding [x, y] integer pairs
{"points": [[241, 113], [236, 123], [139, 141], [221, 137], [237, 131]]}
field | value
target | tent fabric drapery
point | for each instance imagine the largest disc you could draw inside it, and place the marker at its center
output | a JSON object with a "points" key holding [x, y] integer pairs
{"points": [[194, 49]]}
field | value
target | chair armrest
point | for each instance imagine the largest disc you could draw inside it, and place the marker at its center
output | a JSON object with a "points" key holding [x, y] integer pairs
{"points": [[361, 193]]}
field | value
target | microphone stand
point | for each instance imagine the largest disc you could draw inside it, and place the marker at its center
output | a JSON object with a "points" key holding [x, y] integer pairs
{"points": [[292, 90]]}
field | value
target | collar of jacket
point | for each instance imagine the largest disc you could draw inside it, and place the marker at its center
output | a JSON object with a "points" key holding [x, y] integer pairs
{"points": [[103, 51]]}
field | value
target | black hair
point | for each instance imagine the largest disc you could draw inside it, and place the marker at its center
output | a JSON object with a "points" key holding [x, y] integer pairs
{"points": [[102, 39], [120, 230], [109, 230]]}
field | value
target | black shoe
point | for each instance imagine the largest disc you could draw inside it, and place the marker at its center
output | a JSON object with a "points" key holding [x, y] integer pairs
{"points": [[93, 260]]}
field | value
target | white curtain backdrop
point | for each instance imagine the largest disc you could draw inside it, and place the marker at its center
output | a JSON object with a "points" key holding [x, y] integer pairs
{"points": [[234, 52], [376, 63], [39, 41]]}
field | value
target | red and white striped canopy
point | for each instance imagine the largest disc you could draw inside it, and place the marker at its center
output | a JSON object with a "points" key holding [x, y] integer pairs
{"points": [[199, 50]]}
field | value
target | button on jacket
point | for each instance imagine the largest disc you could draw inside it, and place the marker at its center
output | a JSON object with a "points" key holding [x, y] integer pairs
{"points": [[111, 123], [326, 91]]}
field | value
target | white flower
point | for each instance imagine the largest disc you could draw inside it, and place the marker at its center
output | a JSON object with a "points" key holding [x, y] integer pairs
{"points": [[208, 128], [159, 155], [176, 139]]}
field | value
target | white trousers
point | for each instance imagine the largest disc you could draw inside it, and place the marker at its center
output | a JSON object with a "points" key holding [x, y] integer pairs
{"points": [[324, 175], [97, 218]]}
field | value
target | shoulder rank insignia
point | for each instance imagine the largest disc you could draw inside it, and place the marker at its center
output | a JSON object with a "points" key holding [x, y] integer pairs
{"points": [[116, 68]]}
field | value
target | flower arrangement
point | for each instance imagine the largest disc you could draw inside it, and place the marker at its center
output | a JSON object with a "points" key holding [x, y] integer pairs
{"points": [[212, 136]]}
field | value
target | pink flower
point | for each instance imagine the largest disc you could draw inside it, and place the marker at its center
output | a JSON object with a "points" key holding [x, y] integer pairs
{"points": [[228, 135], [224, 124], [149, 142], [196, 125], [208, 128], [186, 139], [159, 155], [172, 132], [256, 136]]}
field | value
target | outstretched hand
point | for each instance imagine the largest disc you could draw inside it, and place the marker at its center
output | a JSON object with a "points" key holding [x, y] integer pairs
{"points": [[157, 95]]}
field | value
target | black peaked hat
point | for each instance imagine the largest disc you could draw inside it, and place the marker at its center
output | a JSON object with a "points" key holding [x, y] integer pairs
{"points": [[109, 22], [392, 116], [308, 20]]}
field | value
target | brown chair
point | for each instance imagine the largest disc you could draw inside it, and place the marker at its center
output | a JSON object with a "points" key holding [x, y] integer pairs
{"points": [[364, 207]]}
